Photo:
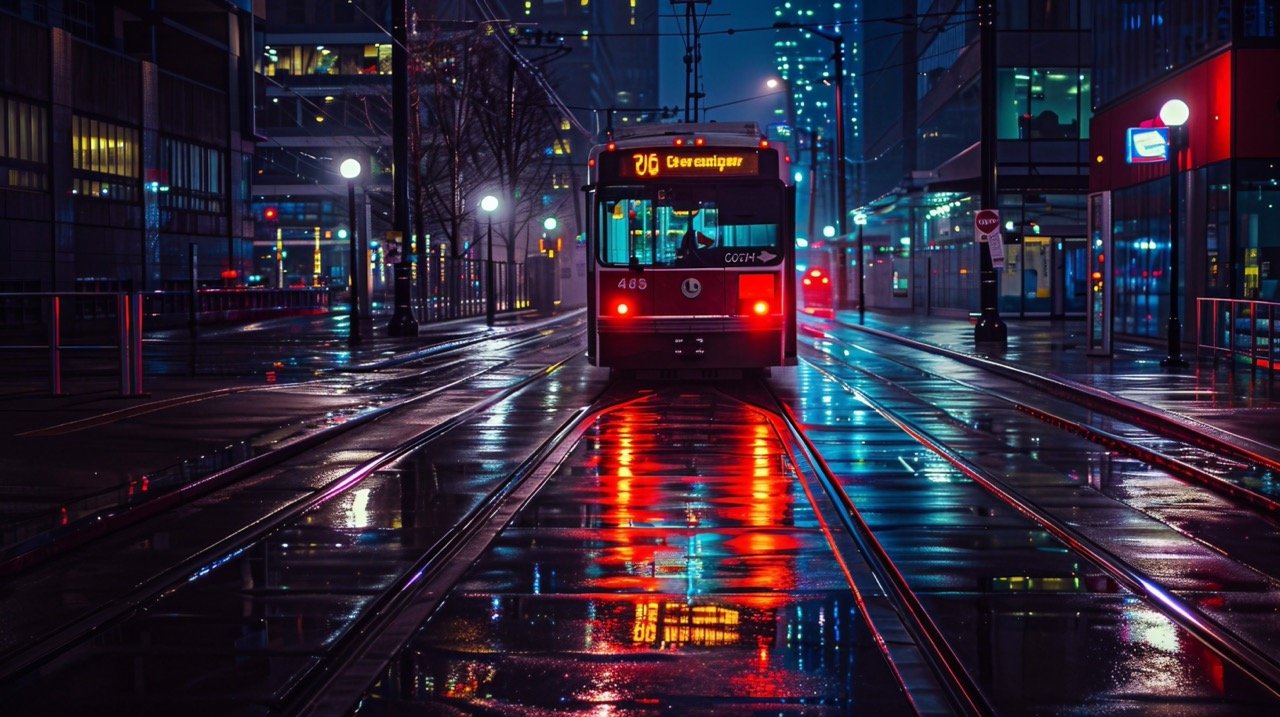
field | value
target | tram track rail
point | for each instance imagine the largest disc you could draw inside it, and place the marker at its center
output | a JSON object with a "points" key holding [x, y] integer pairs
{"points": [[45, 649], [1239, 650], [1179, 428], [1234, 452], [962, 692], [121, 507]]}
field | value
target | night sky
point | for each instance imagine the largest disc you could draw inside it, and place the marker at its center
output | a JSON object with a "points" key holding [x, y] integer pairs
{"points": [[734, 67]]}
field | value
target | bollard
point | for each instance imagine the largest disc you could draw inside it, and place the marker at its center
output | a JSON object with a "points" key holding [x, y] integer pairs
{"points": [[55, 349]]}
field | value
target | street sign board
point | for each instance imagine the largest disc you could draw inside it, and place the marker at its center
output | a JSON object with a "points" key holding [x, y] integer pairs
{"points": [[986, 222], [1146, 144]]}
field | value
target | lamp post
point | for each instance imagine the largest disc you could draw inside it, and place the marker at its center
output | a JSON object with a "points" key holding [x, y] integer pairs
{"points": [[350, 168], [489, 204], [860, 219], [842, 266], [1174, 114]]}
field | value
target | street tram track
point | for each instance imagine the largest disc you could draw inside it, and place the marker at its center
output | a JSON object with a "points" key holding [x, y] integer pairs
{"points": [[961, 690], [1234, 648], [1208, 438], [47, 647], [1218, 458], [149, 495]]}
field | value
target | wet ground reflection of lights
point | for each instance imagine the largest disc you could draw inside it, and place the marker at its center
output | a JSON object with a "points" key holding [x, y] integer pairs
{"points": [[671, 564]]}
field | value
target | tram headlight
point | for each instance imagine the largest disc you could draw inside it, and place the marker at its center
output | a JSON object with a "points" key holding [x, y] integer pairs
{"points": [[622, 308]]}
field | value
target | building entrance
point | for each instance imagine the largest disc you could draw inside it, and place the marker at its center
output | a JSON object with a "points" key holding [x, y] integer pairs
{"points": [[1045, 276]]}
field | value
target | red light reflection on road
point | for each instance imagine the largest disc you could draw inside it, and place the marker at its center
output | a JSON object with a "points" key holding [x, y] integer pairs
{"points": [[688, 504]]}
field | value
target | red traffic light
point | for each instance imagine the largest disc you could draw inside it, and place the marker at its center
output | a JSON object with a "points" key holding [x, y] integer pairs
{"points": [[271, 214]]}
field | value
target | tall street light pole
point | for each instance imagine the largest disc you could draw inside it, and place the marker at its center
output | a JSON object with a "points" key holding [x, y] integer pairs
{"points": [[350, 168], [990, 328], [842, 194], [403, 322], [489, 204], [1174, 114]]}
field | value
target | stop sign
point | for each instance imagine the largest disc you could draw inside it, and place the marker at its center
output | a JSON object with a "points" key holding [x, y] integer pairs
{"points": [[986, 221]]}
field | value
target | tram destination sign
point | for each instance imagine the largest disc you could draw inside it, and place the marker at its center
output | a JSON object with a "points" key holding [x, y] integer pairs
{"points": [[652, 163]]}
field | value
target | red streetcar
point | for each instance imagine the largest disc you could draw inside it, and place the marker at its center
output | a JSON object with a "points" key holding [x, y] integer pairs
{"points": [[691, 250]]}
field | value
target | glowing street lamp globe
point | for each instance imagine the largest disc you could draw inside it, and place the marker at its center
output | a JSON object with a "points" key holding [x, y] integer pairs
{"points": [[350, 168], [1175, 113]]}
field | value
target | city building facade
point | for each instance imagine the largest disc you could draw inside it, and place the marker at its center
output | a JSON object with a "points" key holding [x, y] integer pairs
{"points": [[922, 119], [327, 97], [1220, 58], [126, 130]]}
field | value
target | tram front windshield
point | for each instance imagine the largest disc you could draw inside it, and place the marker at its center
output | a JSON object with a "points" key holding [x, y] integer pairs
{"points": [[696, 225]]}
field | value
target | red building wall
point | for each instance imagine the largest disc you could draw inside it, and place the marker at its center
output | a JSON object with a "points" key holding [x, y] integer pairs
{"points": [[1250, 100]]}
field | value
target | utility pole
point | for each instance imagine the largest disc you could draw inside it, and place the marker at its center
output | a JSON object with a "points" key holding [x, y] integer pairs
{"points": [[841, 259], [692, 58], [990, 328], [403, 322]]}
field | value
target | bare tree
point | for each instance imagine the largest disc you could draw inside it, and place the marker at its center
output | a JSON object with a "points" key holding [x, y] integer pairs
{"points": [[445, 149], [519, 132]]}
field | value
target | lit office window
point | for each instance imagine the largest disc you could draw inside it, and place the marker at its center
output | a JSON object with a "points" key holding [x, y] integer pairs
{"points": [[1043, 103], [104, 159], [24, 133]]}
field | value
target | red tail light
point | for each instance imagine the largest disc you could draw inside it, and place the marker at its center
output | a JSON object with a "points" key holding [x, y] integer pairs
{"points": [[622, 309], [756, 293]]}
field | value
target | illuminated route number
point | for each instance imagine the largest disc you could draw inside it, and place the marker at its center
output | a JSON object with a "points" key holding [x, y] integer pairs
{"points": [[646, 164], [632, 284]]}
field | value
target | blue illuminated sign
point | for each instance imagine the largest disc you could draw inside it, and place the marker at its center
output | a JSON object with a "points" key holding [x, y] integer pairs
{"points": [[1147, 144]]}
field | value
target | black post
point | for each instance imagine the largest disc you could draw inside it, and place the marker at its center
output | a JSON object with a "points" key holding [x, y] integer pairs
{"points": [[354, 284], [1174, 358], [990, 327], [193, 296], [403, 322], [862, 275], [842, 193], [490, 299]]}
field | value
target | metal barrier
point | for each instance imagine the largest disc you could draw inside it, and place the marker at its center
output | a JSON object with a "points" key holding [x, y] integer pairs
{"points": [[1239, 330], [34, 321], [86, 306]]}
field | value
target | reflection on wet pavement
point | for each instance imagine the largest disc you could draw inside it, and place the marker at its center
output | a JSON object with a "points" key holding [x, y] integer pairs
{"points": [[673, 563]]}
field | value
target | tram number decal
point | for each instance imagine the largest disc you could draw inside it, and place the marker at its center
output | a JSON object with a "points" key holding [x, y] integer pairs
{"points": [[633, 284], [646, 164]]}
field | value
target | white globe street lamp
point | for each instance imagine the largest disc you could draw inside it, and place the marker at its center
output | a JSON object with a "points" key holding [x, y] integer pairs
{"points": [[489, 204], [350, 168]]}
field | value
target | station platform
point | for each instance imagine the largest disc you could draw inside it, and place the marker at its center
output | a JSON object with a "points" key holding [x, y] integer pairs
{"points": [[195, 396]]}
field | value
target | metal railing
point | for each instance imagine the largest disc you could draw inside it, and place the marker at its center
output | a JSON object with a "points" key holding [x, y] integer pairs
{"points": [[1239, 330], [124, 307], [94, 322]]}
